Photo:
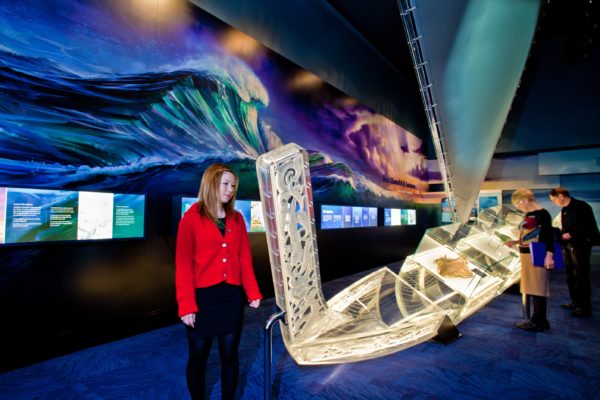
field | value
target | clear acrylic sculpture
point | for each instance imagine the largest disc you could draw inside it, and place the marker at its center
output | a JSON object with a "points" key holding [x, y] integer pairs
{"points": [[383, 312], [380, 314], [482, 247]]}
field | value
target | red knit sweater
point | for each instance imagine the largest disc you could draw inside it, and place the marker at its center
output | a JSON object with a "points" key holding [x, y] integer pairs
{"points": [[205, 258]]}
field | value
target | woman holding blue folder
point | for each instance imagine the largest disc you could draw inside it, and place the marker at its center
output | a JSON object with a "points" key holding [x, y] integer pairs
{"points": [[535, 281]]}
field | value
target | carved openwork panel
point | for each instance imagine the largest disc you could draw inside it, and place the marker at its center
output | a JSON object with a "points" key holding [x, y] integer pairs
{"points": [[286, 194]]}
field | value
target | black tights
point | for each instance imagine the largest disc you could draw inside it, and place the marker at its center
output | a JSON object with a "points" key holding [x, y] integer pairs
{"points": [[199, 349], [539, 310]]}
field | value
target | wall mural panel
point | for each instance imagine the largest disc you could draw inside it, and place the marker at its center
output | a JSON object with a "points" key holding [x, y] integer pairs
{"points": [[140, 96]]}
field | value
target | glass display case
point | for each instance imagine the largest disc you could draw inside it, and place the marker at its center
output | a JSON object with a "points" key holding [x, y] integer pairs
{"points": [[461, 267], [493, 236]]}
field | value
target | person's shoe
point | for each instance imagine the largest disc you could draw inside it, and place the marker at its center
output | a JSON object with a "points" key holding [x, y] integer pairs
{"points": [[544, 325], [528, 326], [568, 306], [580, 312]]}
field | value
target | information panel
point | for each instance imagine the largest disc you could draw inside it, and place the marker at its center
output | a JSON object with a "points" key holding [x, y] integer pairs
{"points": [[489, 198], [251, 210], [331, 217], [41, 215], [336, 217], [399, 216]]}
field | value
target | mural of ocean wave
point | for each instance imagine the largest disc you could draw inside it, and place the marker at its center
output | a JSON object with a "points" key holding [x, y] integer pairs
{"points": [[337, 183], [90, 99], [138, 129], [124, 124]]}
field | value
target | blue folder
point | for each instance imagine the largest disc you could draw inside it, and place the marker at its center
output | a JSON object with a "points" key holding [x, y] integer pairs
{"points": [[538, 254]]}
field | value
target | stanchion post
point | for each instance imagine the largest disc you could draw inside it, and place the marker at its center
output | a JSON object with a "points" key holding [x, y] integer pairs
{"points": [[268, 349]]}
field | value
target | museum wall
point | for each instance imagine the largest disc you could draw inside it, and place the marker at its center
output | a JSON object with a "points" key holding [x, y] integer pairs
{"points": [[103, 97], [576, 170]]}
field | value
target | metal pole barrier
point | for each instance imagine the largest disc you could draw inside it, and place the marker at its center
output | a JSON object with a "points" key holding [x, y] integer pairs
{"points": [[268, 349]]}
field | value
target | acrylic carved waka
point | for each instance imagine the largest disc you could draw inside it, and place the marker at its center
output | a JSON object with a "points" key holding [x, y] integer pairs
{"points": [[456, 270]]}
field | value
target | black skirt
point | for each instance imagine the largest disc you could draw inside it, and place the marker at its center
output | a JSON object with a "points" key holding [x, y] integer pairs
{"points": [[220, 310]]}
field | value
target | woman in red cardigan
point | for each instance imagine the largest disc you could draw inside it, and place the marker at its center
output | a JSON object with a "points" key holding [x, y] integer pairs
{"points": [[214, 278]]}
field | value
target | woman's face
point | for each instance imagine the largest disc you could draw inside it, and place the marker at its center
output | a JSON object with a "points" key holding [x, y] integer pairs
{"points": [[227, 187], [523, 205]]}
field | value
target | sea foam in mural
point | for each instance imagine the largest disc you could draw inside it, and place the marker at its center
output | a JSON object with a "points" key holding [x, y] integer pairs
{"points": [[105, 96]]}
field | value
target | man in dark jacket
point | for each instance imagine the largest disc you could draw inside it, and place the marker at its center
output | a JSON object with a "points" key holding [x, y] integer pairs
{"points": [[579, 233]]}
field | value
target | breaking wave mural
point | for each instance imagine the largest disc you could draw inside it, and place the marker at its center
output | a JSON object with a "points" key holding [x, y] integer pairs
{"points": [[96, 95]]}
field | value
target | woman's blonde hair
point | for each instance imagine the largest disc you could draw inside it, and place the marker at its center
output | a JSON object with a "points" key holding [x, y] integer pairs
{"points": [[208, 194], [522, 194]]}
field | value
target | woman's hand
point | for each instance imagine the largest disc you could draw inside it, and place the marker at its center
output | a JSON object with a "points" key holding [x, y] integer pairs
{"points": [[549, 261], [255, 303], [189, 319]]}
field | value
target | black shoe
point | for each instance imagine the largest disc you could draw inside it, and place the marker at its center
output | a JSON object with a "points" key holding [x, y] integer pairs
{"points": [[580, 312], [544, 325], [568, 306], [528, 326]]}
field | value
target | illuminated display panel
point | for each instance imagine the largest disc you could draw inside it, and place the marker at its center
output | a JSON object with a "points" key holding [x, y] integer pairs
{"points": [[331, 217], [489, 198], [251, 210], [186, 203], [336, 217], [42, 215], [399, 216], [346, 217], [372, 216], [446, 211], [356, 217]]}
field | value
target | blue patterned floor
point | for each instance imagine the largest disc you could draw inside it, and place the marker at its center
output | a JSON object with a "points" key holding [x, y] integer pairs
{"points": [[493, 360]]}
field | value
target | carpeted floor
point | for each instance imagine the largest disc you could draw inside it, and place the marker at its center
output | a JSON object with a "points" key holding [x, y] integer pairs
{"points": [[493, 360]]}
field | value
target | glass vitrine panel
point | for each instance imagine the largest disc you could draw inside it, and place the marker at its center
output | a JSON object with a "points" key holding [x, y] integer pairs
{"points": [[474, 260]]}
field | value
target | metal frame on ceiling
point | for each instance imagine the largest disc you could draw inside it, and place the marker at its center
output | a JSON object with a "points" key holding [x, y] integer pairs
{"points": [[435, 126]]}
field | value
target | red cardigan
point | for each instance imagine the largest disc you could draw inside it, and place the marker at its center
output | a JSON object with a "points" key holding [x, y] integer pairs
{"points": [[205, 258]]}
